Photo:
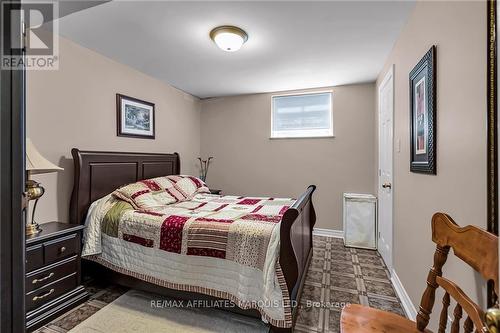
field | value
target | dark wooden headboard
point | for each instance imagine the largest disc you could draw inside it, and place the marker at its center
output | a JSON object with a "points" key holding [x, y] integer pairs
{"points": [[98, 173]]}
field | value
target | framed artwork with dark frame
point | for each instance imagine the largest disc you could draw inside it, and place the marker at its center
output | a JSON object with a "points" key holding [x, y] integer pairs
{"points": [[423, 114], [493, 205], [134, 117]]}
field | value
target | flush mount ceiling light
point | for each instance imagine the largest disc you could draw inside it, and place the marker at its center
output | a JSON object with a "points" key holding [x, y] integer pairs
{"points": [[228, 38]]}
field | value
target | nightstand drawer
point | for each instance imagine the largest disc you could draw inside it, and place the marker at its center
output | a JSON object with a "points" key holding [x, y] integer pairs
{"points": [[50, 274], [42, 295], [60, 248], [53, 273], [34, 257]]}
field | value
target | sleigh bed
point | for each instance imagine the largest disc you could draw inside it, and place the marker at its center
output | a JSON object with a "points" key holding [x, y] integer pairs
{"points": [[98, 174]]}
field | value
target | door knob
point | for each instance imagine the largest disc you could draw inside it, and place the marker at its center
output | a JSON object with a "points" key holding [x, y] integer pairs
{"points": [[387, 185], [492, 317]]}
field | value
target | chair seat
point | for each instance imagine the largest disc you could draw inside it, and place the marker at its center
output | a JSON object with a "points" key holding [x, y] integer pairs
{"points": [[357, 318]]}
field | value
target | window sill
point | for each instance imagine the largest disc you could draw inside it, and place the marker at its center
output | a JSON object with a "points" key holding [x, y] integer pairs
{"points": [[302, 137]]}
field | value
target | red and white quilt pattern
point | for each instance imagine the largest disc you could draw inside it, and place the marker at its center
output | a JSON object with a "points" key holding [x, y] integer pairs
{"points": [[226, 227]]}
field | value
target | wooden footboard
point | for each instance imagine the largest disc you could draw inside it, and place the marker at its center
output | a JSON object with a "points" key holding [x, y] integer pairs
{"points": [[296, 248], [296, 241]]}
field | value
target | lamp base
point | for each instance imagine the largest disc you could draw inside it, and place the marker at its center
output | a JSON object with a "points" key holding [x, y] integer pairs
{"points": [[32, 229], [34, 190]]}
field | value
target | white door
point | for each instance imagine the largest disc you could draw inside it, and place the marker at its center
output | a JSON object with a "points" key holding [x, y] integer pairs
{"points": [[385, 185]]}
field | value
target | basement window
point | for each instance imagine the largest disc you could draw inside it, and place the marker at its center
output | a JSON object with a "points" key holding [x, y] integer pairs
{"points": [[307, 115]]}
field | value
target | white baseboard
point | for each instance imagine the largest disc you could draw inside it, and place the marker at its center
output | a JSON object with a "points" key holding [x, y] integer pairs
{"points": [[410, 310], [328, 233]]}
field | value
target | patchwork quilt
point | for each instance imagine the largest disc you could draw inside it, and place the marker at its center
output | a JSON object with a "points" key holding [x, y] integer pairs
{"points": [[175, 221]]}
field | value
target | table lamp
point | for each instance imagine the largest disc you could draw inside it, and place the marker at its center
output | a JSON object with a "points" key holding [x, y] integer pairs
{"points": [[35, 164]]}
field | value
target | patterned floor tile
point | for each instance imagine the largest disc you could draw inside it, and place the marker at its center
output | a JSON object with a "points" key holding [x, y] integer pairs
{"points": [[339, 266], [336, 241], [309, 317], [325, 239], [380, 288], [319, 253], [342, 281], [366, 251], [344, 296], [75, 317], [370, 271], [341, 255], [317, 264], [315, 276], [320, 244], [370, 260], [386, 305], [339, 247], [333, 321], [337, 276], [311, 292]]}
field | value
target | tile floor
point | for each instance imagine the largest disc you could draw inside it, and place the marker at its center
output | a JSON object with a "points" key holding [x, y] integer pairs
{"points": [[337, 276]]}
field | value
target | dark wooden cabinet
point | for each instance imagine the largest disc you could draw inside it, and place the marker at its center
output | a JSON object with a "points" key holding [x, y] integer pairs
{"points": [[53, 272]]}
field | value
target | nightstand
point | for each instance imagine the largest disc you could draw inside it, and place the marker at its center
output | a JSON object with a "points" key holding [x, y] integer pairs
{"points": [[53, 272], [214, 191]]}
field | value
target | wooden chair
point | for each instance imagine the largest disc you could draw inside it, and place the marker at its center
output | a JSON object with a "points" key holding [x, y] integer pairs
{"points": [[476, 247]]}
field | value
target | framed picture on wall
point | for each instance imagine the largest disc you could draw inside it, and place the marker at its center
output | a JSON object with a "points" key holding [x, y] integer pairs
{"points": [[423, 115], [493, 126], [134, 117]]}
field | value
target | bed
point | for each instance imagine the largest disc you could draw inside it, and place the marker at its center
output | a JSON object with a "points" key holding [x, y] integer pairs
{"points": [[97, 174]]}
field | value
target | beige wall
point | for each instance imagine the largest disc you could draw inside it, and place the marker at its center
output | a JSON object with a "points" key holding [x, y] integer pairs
{"points": [[458, 29], [75, 107], [236, 132]]}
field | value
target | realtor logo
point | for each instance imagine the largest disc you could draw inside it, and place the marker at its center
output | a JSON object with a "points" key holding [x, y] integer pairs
{"points": [[34, 35]]}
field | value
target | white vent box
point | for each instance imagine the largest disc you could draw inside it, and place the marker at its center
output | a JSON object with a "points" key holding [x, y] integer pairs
{"points": [[360, 220]]}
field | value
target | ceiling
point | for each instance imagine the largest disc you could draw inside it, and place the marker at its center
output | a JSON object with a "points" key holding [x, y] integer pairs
{"points": [[67, 7], [291, 45]]}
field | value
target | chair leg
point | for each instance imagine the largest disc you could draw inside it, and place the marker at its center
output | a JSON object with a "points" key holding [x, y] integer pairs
{"points": [[427, 302]]}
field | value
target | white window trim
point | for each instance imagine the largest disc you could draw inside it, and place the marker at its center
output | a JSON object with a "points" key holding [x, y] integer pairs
{"points": [[313, 92]]}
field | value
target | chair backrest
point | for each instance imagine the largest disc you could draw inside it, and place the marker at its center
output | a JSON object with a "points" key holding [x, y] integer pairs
{"points": [[476, 247]]}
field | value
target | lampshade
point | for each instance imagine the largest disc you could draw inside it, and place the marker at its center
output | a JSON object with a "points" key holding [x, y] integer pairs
{"points": [[36, 163]]}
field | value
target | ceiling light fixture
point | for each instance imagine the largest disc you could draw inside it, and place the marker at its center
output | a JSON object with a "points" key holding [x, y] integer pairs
{"points": [[228, 38]]}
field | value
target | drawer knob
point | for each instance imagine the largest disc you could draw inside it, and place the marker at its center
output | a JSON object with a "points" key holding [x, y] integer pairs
{"points": [[37, 298], [35, 281], [62, 249]]}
